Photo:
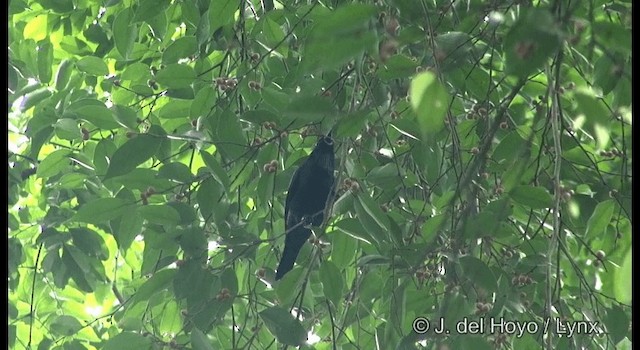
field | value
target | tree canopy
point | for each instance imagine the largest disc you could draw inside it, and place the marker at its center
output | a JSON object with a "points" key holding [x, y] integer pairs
{"points": [[483, 170]]}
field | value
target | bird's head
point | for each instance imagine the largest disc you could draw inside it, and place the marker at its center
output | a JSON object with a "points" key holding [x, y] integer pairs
{"points": [[323, 152]]}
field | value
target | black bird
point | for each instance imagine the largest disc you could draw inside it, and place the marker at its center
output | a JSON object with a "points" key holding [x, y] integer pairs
{"points": [[306, 199]]}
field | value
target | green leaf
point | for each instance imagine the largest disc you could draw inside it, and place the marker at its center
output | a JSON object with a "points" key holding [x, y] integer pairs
{"points": [[332, 282], [617, 323], [534, 197], [207, 196], [64, 74], [35, 97], [216, 169], [397, 67], [345, 31], [372, 210], [65, 325], [125, 116], [199, 340], [160, 281], [600, 219], [136, 72], [67, 129], [161, 214], [128, 340], [616, 35], [352, 124], [90, 242], [57, 6], [309, 108], [124, 32], [175, 110], [101, 210], [597, 115], [98, 115], [148, 9], [345, 20], [455, 48], [474, 342], [133, 153], [176, 76], [533, 39], [45, 61], [432, 226], [373, 260], [353, 228], [77, 264], [181, 48], [622, 287], [343, 247], [479, 273], [176, 171], [92, 65], [283, 326], [53, 164], [36, 28], [185, 93], [608, 72], [186, 212], [229, 138], [221, 12], [429, 100], [203, 101], [273, 33]]}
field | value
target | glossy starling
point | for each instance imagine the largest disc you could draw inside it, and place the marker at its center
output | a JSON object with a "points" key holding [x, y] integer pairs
{"points": [[306, 199]]}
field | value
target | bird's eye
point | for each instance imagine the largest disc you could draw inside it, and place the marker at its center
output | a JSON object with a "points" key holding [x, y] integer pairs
{"points": [[328, 140]]}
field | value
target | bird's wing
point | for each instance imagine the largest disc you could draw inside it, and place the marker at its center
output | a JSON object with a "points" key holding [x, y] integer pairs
{"points": [[293, 186]]}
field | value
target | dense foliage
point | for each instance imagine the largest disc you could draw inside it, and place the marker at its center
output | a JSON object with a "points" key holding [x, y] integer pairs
{"points": [[483, 163]]}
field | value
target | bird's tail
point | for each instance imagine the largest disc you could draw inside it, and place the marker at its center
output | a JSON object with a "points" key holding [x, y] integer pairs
{"points": [[292, 245]]}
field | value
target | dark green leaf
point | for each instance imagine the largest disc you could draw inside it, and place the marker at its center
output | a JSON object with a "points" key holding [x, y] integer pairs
{"points": [[534, 38], [397, 67], [45, 61], [479, 273], [429, 101], [617, 323], [534, 197], [101, 210], [176, 171], [343, 247], [133, 153], [35, 97], [181, 48], [216, 169], [128, 340], [353, 228], [159, 214], [176, 76], [124, 32], [65, 325], [92, 65], [148, 9], [199, 340], [352, 124], [160, 281], [221, 12], [283, 326], [309, 108], [332, 282], [207, 196], [600, 219], [53, 164], [622, 287]]}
